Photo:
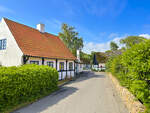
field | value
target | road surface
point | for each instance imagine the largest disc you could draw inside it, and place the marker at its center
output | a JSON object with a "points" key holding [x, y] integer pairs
{"points": [[91, 93]]}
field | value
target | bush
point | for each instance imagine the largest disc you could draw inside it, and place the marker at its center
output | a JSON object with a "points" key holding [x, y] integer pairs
{"points": [[25, 83], [132, 69], [140, 89]]}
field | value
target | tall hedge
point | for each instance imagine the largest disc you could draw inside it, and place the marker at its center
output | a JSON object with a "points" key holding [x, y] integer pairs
{"points": [[25, 83], [132, 69]]}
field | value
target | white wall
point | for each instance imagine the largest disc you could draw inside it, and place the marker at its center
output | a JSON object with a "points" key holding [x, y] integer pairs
{"points": [[79, 67], [101, 64], [12, 56], [70, 73], [62, 75]]}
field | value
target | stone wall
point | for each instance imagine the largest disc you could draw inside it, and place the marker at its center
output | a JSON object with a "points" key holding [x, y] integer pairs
{"points": [[133, 105]]}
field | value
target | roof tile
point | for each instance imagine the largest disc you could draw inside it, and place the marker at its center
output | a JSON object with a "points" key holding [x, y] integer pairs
{"points": [[34, 43]]}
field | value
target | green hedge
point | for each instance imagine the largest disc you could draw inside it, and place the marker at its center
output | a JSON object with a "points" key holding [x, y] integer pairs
{"points": [[25, 84], [132, 69]]}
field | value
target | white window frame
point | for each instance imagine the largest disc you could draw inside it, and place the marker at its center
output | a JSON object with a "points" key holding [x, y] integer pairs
{"points": [[3, 44], [69, 66], [34, 62], [63, 66], [50, 62]]}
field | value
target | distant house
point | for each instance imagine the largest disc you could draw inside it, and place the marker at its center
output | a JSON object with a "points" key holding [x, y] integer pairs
{"points": [[21, 44]]}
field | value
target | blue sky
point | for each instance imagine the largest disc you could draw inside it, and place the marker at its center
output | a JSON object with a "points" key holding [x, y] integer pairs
{"points": [[97, 21]]}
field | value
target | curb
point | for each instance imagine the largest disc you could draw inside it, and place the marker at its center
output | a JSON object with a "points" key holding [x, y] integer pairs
{"points": [[133, 105], [59, 86]]}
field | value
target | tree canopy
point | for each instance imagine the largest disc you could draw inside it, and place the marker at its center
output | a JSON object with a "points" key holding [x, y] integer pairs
{"points": [[85, 58], [71, 38], [113, 46], [100, 56], [132, 40]]}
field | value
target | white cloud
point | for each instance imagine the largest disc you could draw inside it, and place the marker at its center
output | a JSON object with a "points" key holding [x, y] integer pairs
{"points": [[91, 46], [101, 47], [145, 36], [5, 10]]}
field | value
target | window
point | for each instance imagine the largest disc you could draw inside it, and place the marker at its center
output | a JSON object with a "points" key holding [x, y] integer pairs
{"points": [[70, 65], [61, 66], [3, 44], [34, 62], [51, 64]]}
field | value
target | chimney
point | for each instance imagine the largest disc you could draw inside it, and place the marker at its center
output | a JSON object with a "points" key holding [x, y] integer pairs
{"points": [[78, 55], [41, 27]]}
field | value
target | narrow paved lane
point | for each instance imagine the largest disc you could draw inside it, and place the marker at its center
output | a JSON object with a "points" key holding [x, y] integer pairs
{"points": [[92, 93]]}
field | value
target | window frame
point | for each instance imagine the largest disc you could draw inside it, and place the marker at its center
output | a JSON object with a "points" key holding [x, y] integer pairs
{"points": [[3, 44], [70, 68], [49, 64], [34, 62], [60, 66]]}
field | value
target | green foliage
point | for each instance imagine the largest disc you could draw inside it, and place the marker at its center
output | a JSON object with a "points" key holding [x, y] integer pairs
{"points": [[132, 69], [132, 40], [141, 90], [25, 83], [113, 46], [109, 64], [85, 58], [137, 60], [100, 57], [71, 38]]}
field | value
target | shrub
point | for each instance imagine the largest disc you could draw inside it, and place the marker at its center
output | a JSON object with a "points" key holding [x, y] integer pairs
{"points": [[109, 64], [140, 89], [25, 83], [132, 69], [137, 60]]}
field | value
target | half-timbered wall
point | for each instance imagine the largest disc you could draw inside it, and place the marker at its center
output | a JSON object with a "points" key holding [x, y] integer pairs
{"points": [[63, 73]]}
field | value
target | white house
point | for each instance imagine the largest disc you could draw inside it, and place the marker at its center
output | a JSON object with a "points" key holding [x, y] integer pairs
{"points": [[21, 44]]}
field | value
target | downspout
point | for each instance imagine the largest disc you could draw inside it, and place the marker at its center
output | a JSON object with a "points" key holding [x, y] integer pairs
{"points": [[56, 64], [42, 61], [66, 68], [25, 59], [74, 70]]}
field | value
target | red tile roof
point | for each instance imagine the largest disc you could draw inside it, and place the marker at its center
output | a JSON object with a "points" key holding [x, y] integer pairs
{"points": [[34, 43]]}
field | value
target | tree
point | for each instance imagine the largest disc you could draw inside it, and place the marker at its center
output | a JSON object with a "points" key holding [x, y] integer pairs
{"points": [[132, 40], [85, 58], [110, 53], [78, 43], [113, 46], [100, 56], [71, 38]]}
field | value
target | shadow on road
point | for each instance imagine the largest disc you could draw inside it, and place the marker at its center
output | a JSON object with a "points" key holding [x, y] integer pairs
{"points": [[59, 95], [48, 101]]}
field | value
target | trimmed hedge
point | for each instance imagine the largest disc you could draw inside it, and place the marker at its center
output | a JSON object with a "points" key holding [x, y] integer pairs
{"points": [[132, 69], [25, 84]]}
